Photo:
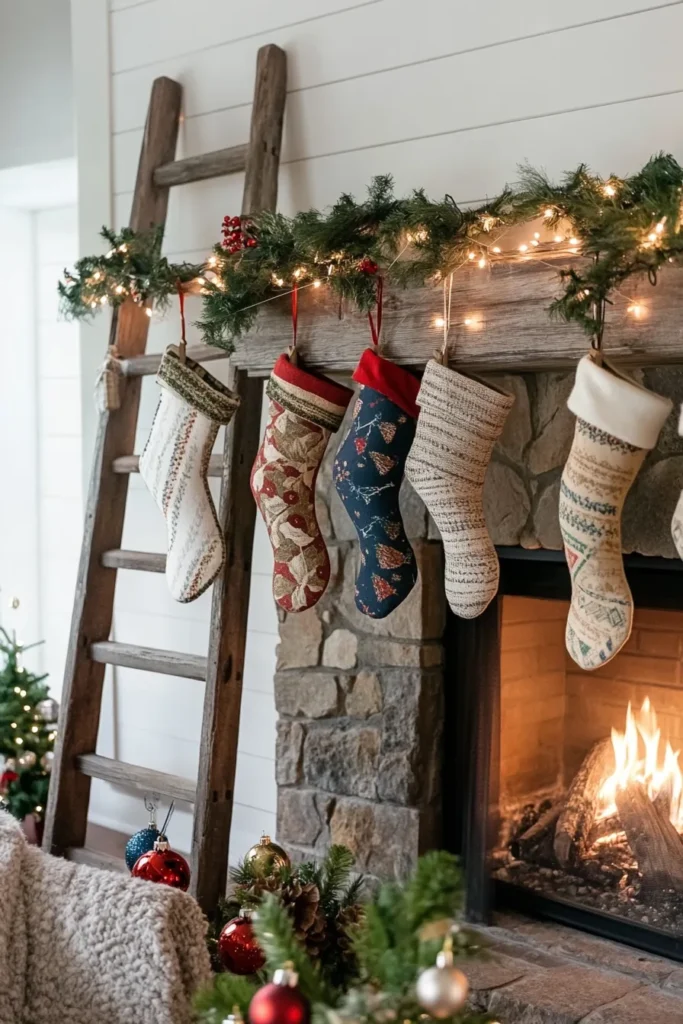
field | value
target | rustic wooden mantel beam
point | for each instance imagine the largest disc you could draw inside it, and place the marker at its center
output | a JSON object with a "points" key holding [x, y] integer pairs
{"points": [[510, 329]]}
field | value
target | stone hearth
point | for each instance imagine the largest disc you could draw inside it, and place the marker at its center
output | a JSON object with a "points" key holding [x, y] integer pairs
{"points": [[540, 973]]}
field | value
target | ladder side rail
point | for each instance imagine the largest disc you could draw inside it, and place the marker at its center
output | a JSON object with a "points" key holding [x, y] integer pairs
{"points": [[67, 810], [230, 602]]}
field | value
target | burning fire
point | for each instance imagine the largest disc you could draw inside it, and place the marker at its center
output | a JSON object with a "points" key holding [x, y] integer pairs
{"points": [[638, 758]]}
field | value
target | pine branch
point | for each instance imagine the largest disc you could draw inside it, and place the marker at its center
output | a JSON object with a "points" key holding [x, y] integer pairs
{"points": [[275, 933]]}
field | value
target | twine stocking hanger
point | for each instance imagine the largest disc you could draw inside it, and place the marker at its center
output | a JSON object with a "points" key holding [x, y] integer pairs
{"points": [[293, 351], [441, 355], [376, 322], [182, 348]]}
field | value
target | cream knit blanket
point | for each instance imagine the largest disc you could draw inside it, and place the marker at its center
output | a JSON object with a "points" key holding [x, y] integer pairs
{"points": [[82, 946]]}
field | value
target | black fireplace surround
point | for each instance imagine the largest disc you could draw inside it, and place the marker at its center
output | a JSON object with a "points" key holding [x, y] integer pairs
{"points": [[472, 763]]}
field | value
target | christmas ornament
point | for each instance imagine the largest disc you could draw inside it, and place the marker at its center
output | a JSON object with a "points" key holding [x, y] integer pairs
{"points": [[143, 841], [304, 409], [238, 949], [618, 422], [266, 856], [7, 777], [442, 990], [48, 710], [47, 761], [281, 1001], [163, 865], [460, 421], [368, 472], [27, 759], [368, 266], [174, 463], [233, 1018], [237, 235]]}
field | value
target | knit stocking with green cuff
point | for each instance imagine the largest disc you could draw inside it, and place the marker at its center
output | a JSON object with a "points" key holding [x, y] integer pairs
{"points": [[618, 421], [174, 464]]}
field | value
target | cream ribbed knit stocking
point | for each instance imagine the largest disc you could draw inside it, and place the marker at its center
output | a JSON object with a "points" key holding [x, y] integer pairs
{"points": [[617, 422], [174, 464], [459, 423]]}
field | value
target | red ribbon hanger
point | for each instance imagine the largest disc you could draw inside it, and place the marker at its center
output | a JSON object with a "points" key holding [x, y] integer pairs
{"points": [[376, 324]]}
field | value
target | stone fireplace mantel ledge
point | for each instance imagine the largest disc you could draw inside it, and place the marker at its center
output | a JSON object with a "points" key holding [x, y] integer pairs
{"points": [[543, 973]]}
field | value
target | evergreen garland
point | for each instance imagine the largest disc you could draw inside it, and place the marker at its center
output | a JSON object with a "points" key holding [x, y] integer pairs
{"points": [[133, 268], [400, 931], [625, 226], [23, 733], [410, 239]]}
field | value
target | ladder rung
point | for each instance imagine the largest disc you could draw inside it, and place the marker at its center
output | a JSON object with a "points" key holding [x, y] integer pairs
{"points": [[143, 561], [131, 464], [133, 777], [149, 659], [95, 859], [143, 366], [198, 168]]}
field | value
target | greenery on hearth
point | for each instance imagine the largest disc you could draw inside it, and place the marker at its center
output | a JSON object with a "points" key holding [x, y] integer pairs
{"points": [[321, 899], [399, 932], [625, 226], [26, 735], [133, 268]]}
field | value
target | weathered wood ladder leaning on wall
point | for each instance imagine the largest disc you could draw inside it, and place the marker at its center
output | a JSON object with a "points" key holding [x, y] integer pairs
{"points": [[90, 649]]}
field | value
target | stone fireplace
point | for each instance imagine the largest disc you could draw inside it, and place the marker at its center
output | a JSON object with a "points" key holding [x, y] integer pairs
{"points": [[399, 735]]}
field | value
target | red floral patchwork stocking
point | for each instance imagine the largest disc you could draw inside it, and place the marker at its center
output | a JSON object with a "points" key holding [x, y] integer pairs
{"points": [[304, 410]]}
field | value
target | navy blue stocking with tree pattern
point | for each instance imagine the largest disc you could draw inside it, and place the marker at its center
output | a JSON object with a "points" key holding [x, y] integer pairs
{"points": [[368, 472]]}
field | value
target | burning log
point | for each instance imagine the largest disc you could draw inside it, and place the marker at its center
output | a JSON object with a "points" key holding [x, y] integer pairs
{"points": [[572, 833], [536, 844], [654, 842]]}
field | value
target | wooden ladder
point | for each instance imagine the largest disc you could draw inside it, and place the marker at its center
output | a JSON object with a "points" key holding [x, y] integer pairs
{"points": [[90, 650]]}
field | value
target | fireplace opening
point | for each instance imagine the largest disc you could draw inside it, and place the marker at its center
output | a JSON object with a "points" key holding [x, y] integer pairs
{"points": [[590, 786], [570, 783]]}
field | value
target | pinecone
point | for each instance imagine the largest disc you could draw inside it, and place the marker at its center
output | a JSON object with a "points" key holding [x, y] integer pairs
{"points": [[310, 925]]}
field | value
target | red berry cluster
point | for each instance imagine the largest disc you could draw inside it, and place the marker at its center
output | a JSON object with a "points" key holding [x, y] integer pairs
{"points": [[368, 266], [235, 231]]}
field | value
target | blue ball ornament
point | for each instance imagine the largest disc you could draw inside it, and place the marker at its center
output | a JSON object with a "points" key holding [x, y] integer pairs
{"points": [[142, 842]]}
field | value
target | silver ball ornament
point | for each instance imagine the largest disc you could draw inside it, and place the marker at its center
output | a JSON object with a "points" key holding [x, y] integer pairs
{"points": [[442, 990], [27, 759], [46, 761], [48, 709]]}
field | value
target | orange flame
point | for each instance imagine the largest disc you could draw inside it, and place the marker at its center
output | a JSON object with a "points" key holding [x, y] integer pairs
{"points": [[638, 758]]}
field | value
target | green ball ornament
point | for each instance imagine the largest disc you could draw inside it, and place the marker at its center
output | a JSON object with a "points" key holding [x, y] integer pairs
{"points": [[442, 990]]}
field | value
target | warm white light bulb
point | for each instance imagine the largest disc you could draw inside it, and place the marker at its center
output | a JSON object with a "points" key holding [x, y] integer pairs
{"points": [[468, 321], [573, 241], [439, 321], [316, 284], [201, 281], [123, 248], [148, 312], [534, 242], [482, 263], [609, 191], [558, 239], [548, 213], [496, 249], [652, 237], [537, 234], [212, 261], [523, 248], [18, 741], [27, 707], [120, 289], [471, 255], [103, 300], [34, 728]]}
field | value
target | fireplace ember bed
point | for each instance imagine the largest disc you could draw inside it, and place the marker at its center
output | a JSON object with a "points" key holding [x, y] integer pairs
{"points": [[564, 792]]}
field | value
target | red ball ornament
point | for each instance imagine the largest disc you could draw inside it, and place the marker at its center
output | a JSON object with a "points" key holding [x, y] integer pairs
{"points": [[163, 865], [252, 243], [238, 949], [236, 222], [368, 266], [280, 1002]]}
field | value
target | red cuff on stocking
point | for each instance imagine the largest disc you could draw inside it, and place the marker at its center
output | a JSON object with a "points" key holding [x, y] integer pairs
{"points": [[310, 395], [397, 384]]}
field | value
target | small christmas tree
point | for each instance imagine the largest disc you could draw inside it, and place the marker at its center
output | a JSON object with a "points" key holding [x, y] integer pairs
{"points": [[27, 733]]}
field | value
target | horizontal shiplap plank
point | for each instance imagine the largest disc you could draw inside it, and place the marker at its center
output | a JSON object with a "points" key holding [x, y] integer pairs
{"points": [[345, 46], [394, 108], [159, 30], [96, 859], [467, 165]]}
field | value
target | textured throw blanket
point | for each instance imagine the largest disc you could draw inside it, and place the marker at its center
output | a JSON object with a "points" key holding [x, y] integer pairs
{"points": [[87, 947]]}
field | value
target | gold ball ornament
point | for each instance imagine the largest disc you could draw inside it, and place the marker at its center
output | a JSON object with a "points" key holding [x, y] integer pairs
{"points": [[442, 990], [266, 856]]}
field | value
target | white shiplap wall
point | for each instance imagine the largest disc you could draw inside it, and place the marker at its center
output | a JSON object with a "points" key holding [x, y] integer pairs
{"points": [[445, 95], [58, 415]]}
